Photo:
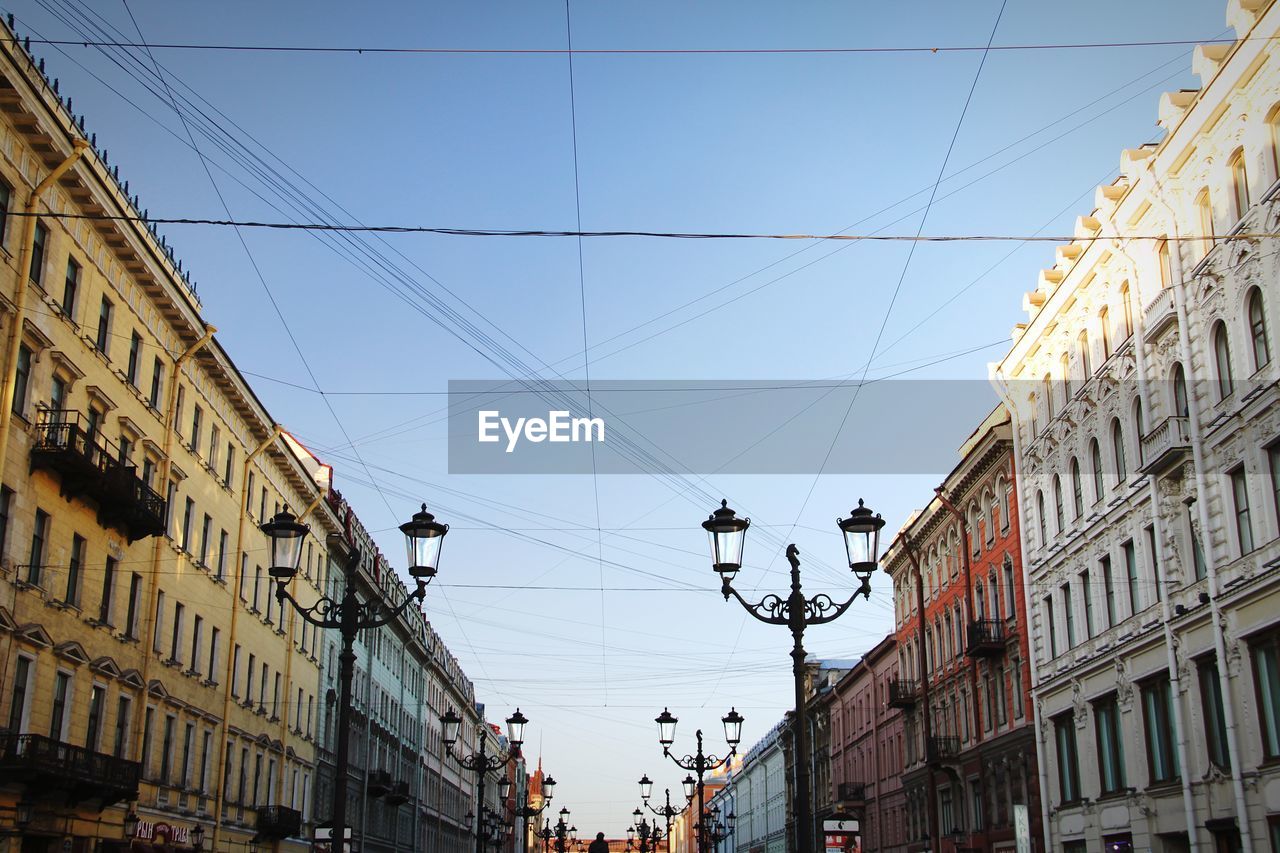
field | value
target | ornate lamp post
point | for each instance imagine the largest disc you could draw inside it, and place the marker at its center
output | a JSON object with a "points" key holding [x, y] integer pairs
{"points": [[424, 537], [527, 812], [862, 547], [699, 762], [650, 834], [667, 812], [480, 761]]}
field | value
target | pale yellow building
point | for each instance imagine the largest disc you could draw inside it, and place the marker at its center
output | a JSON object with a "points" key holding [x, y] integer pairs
{"points": [[144, 663]]}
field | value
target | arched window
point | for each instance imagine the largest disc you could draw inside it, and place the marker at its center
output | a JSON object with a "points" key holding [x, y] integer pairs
{"points": [[1204, 216], [948, 636], [1044, 540], [1031, 423], [1047, 393], [994, 586], [979, 603], [1104, 322], [1239, 184], [1180, 408], [1095, 458], [1117, 450], [1082, 344], [1057, 501], [1126, 304], [1222, 361], [1273, 128], [959, 624], [1162, 260], [1077, 490], [1066, 379], [1258, 330], [1139, 427]]}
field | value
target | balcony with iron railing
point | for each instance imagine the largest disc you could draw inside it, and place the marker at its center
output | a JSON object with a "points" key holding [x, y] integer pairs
{"points": [[92, 467], [1166, 445], [986, 638], [943, 748], [398, 794], [851, 794], [277, 822], [379, 783], [903, 693], [50, 766]]}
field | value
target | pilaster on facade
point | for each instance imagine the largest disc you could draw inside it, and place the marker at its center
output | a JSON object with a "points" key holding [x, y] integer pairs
{"points": [[1143, 388]]}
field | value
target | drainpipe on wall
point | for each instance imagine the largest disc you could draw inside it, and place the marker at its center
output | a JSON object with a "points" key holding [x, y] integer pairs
{"points": [[1046, 828], [276, 432], [1202, 512], [1153, 496]]}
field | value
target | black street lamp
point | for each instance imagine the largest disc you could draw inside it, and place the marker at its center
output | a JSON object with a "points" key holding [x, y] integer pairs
{"points": [[527, 812], [862, 547], [562, 832], [480, 761], [197, 838], [667, 812], [650, 834], [424, 536], [700, 763]]}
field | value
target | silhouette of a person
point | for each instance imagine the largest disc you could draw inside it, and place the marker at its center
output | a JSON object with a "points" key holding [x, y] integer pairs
{"points": [[599, 845]]}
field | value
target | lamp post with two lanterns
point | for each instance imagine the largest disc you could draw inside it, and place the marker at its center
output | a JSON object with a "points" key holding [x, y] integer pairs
{"points": [[650, 835], [862, 546], [480, 761], [667, 812], [528, 812], [699, 762], [424, 537]]}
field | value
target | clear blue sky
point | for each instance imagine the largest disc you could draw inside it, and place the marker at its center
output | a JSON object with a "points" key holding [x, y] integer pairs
{"points": [[809, 143]]}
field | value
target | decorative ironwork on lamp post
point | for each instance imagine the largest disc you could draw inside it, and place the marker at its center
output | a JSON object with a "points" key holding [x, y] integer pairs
{"points": [[667, 812], [424, 537], [480, 761], [650, 835], [527, 812], [862, 547], [699, 762]]}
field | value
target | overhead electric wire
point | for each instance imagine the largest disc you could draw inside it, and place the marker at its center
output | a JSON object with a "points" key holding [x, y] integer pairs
{"points": [[642, 51]]}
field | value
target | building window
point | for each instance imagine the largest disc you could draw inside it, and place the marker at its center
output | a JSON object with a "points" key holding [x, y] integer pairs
{"points": [[1064, 736], [135, 345], [175, 642], [93, 729], [6, 508], [39, 535], [1197, 551], [135, 600], [1077, 490], [213, 654], [1131, 573], [1266, 679], [1117, 450], [1180, 405], [1240, 503], [1258, 330], [18, 702], [6, 194], [1095, 458], [1215, 726], [58, 709], [1106, 721], [197, 415], [205, 526], [123, 711], [1273, 463], [1153, 558], [1069, 610], [103, 343], [1204, 214], [1104, 324], [1086, 589], [189, 508], [21, 379], [221, 570], [1126, 302], [166, 750], [75, 566], [1108, 590], [230, 466], [38, 244], [1057, 503], [1239, 184], [157, 381], [1157, 718], [69, 288], [1222, 361], [197, 640], [108, 591], [1082, 345], [1040, 517]]}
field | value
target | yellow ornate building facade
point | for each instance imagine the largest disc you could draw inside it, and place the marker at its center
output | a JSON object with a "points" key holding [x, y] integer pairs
{"points": [[153, 692]]}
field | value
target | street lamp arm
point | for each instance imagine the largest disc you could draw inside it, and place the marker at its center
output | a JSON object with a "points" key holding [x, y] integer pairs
{"points": [[325, 613], [700, 763], [482, 762], [821, 609], [374, 614], [772, 609]]}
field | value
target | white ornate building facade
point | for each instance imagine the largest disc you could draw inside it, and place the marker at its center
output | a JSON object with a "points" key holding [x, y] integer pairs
{"points": [[1147, 433]]}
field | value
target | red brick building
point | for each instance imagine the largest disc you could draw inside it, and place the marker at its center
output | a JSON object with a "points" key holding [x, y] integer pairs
{"points": [[970, 758], [867, 750]]}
